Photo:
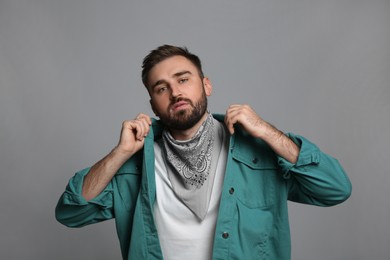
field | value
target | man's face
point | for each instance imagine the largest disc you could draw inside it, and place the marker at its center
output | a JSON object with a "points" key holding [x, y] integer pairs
{"points": [[177, 93]]}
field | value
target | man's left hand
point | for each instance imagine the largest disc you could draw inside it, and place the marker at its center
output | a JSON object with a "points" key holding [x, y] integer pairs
{"points": [[245, 116]]}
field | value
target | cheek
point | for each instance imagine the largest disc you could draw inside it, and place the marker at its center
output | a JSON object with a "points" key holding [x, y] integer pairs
{"points": [[158, 105]]}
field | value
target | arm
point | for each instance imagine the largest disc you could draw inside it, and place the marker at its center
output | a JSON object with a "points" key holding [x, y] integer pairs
{"points": [[312, 176], [316, 178], [88, 196], [131, 140]]}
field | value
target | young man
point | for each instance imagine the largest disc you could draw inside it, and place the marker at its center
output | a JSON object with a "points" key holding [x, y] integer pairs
{"points": [[193, 185]]}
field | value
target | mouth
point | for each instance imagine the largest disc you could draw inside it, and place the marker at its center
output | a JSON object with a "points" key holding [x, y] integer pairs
{"points": [[180, 105]]}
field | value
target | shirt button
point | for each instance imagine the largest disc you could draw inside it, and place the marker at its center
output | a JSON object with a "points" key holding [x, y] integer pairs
{"points": [[225, 235], [255, 160], [231, 191]]}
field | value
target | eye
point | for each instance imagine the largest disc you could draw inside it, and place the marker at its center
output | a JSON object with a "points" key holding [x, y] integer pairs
{"points": [[183, 80], [161, 89]]}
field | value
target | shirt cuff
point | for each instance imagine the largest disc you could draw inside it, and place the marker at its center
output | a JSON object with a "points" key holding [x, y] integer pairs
{"points": [[73, 193], [309, 154]]}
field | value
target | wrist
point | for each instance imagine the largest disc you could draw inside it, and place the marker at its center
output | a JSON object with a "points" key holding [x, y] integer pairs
{"points": [[269, 133], [121, 154]]}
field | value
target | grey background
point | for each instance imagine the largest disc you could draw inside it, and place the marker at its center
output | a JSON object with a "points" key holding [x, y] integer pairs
{"points": [[70, 74]]}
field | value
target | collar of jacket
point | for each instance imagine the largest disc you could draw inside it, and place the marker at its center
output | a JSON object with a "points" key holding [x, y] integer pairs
{"points": [[241, 147]]}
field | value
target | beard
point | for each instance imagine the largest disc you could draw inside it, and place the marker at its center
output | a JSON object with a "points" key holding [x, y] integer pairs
{"points": [[187, 118]]}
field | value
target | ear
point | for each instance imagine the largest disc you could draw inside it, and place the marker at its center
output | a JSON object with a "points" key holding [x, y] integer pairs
{"points": [[208, 87], [153, 108]]}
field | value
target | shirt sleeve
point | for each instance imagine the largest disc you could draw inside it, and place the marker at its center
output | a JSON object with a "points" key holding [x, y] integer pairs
{"points": [[74, 211], [316, 178]]}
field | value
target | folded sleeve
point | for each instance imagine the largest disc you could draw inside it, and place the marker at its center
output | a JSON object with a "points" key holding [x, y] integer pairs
{"points": [[316, 178], [73, 210]]}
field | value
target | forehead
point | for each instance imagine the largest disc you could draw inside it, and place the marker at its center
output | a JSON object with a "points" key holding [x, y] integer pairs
{"points": [[168, 67]]}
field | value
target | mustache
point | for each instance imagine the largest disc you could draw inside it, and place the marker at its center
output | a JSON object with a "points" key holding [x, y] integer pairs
{"points": [[179, 99]]}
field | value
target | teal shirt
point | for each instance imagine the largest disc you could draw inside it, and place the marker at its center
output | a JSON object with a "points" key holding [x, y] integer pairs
{"points": [[252, 220]]}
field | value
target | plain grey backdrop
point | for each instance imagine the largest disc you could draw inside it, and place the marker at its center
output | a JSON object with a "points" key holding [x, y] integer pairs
{"points": [[70, 74]]}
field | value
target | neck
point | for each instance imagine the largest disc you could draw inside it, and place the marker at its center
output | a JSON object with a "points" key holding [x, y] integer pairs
{"points": [[187, 134]]}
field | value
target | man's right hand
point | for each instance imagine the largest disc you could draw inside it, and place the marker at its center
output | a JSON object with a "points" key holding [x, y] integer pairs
{"points": [[132, 139], [133, 135]]}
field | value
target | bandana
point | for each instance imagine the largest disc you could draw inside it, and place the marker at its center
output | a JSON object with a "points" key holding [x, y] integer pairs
{"points": [[191, 164]]}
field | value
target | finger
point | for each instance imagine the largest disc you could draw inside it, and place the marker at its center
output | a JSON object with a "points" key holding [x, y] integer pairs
{"points": [[145, 121], [235, 105], [229, 122], [139, 135], [136, 128], [234, 111], [145, 126], [144, 117], [235, 114], [241, 113], [142, 129], [231, 108], [128, 125]]}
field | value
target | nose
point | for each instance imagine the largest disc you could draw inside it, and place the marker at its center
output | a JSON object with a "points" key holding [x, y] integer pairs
{"points": [[175, 90]]}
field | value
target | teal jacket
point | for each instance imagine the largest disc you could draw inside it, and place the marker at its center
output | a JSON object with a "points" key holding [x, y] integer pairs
{"points": [[252, 221]]}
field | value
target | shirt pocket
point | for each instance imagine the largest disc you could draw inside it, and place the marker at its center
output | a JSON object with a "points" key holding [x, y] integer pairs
{"points": [[256, 178], [127, 180]]}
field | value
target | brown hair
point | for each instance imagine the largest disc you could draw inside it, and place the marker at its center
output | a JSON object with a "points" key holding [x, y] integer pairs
{"points": [[166, 51]]}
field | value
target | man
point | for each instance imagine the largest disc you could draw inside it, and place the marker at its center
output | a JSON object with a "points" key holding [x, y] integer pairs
{"points": [[193, 185]]}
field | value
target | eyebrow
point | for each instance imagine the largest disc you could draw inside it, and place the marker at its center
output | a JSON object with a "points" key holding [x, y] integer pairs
{"points": [[176, 75], [181, 73]]}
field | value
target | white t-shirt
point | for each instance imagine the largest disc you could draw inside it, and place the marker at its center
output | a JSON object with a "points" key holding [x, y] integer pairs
{"points": [[182, 235]]}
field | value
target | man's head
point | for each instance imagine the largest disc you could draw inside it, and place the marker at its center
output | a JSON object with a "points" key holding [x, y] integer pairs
{"points": [[166, 51], [176, 85]]}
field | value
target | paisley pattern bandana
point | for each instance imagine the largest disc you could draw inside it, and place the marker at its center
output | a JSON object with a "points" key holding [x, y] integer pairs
{"points": [[191, 164]]}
